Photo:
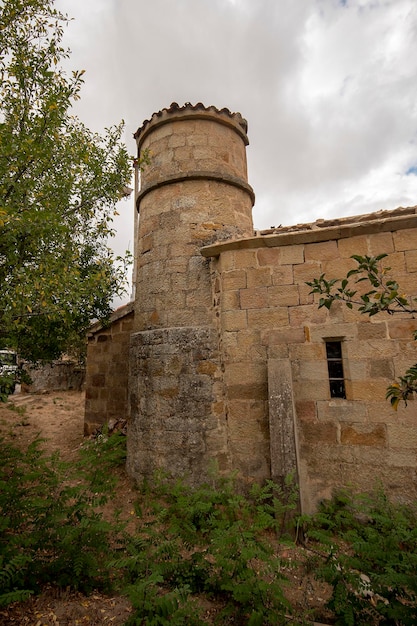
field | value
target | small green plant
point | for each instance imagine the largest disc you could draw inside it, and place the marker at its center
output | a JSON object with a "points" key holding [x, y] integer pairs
{"points": [[153, 608], [368, 549], [20, 410], [7, 386], [210, 543], [99, 457], [9, 379]]}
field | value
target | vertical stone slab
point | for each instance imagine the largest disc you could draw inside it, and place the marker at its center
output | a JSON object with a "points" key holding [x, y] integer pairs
{"points": [[282, 421]]}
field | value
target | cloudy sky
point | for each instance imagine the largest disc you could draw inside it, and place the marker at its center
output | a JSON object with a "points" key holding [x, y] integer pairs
{"points": [[329, 89]]}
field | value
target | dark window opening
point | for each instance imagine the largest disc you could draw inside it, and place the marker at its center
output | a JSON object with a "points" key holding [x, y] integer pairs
{"points": [[335, 367]]}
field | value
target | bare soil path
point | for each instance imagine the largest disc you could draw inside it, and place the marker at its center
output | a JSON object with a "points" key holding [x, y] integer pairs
{"points": [[57, 417]]}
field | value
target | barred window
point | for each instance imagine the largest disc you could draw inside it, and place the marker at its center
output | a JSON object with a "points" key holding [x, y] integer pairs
{"points": [[335, 368]]}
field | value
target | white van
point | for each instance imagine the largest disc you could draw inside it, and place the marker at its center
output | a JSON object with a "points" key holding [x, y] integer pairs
{"points": [[8, 370]]}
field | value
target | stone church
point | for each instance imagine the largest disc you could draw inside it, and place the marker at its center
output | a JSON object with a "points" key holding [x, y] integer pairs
{"points": [[224, 357]]}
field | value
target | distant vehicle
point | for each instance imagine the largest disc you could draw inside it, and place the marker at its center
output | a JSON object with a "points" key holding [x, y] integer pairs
{"points": [[8, 371]]}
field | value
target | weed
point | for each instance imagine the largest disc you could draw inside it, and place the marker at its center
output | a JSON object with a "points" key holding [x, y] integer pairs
{"points": [[211, 542], [20, 410]]}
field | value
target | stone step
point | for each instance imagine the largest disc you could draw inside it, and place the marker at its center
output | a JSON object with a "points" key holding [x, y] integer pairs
{"points": [[22, 399]]}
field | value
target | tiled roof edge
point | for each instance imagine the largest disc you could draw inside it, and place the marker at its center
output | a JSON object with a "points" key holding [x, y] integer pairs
{"points": [[340, 221], [117, 314], [175, 108]]}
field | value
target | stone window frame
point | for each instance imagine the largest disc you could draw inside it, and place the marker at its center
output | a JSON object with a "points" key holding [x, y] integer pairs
{"points": [[339, 360]]}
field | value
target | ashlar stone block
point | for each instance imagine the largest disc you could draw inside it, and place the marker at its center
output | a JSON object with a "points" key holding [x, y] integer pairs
{"points": [[267, 318], [253, 298], [234, 279], [353, 245], [323, 251], [284, 295], [259, 277], [292, 255], [360, 434], [405, 239]]}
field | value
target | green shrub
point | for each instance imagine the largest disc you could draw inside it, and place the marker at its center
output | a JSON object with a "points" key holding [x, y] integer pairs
{"points": [[50, 527], [99, 457], [153, 608], [211, 542], [7, 386], [369, 558]]}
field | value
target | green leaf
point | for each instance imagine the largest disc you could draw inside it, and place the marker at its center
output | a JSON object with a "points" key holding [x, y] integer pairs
{"points": [[59, 186]]}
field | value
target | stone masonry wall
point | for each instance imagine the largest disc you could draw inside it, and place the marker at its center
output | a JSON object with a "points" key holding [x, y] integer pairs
{"points": [[222, 355], [193, 192], [267, 314], [178, 421], [107, 372]]}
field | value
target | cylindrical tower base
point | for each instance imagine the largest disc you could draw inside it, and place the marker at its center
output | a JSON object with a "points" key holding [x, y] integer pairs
{"points": [[193, 192]]}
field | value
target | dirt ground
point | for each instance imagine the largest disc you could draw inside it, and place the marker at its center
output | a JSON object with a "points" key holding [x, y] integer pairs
{"points": [[58, 418]]}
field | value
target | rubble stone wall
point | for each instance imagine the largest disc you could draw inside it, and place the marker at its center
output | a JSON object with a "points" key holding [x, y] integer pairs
{"points": [[56, 376], [176, 420]]}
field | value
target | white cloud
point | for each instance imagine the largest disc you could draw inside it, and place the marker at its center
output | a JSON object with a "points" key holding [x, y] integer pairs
{"points": [[329, 89]]}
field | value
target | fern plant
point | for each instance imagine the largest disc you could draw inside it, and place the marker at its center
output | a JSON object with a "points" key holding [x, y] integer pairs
{"points": [[153, 608], [12, 575], [212, 541], [369, 557]]}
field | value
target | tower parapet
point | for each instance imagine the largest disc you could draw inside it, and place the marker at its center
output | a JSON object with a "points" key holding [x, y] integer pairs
{"points": [[203, 147]]}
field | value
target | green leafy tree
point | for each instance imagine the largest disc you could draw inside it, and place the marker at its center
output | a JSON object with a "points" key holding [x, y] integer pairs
{"points": [[59, 185], [384, 295]]}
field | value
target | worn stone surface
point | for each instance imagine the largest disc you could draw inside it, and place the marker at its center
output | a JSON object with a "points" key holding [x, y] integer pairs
{"points": [[173, 402], [59, 375], [281, 421]]}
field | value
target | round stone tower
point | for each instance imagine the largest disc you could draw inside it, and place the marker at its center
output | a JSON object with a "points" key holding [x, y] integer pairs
{"points": [[194, 191]]}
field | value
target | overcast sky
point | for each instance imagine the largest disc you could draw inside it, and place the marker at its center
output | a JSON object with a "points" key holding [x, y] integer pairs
{"points": [[328, 87]]}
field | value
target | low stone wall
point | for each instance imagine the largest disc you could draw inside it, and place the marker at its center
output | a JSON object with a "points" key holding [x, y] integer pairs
{"points": [[56, 376]]}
